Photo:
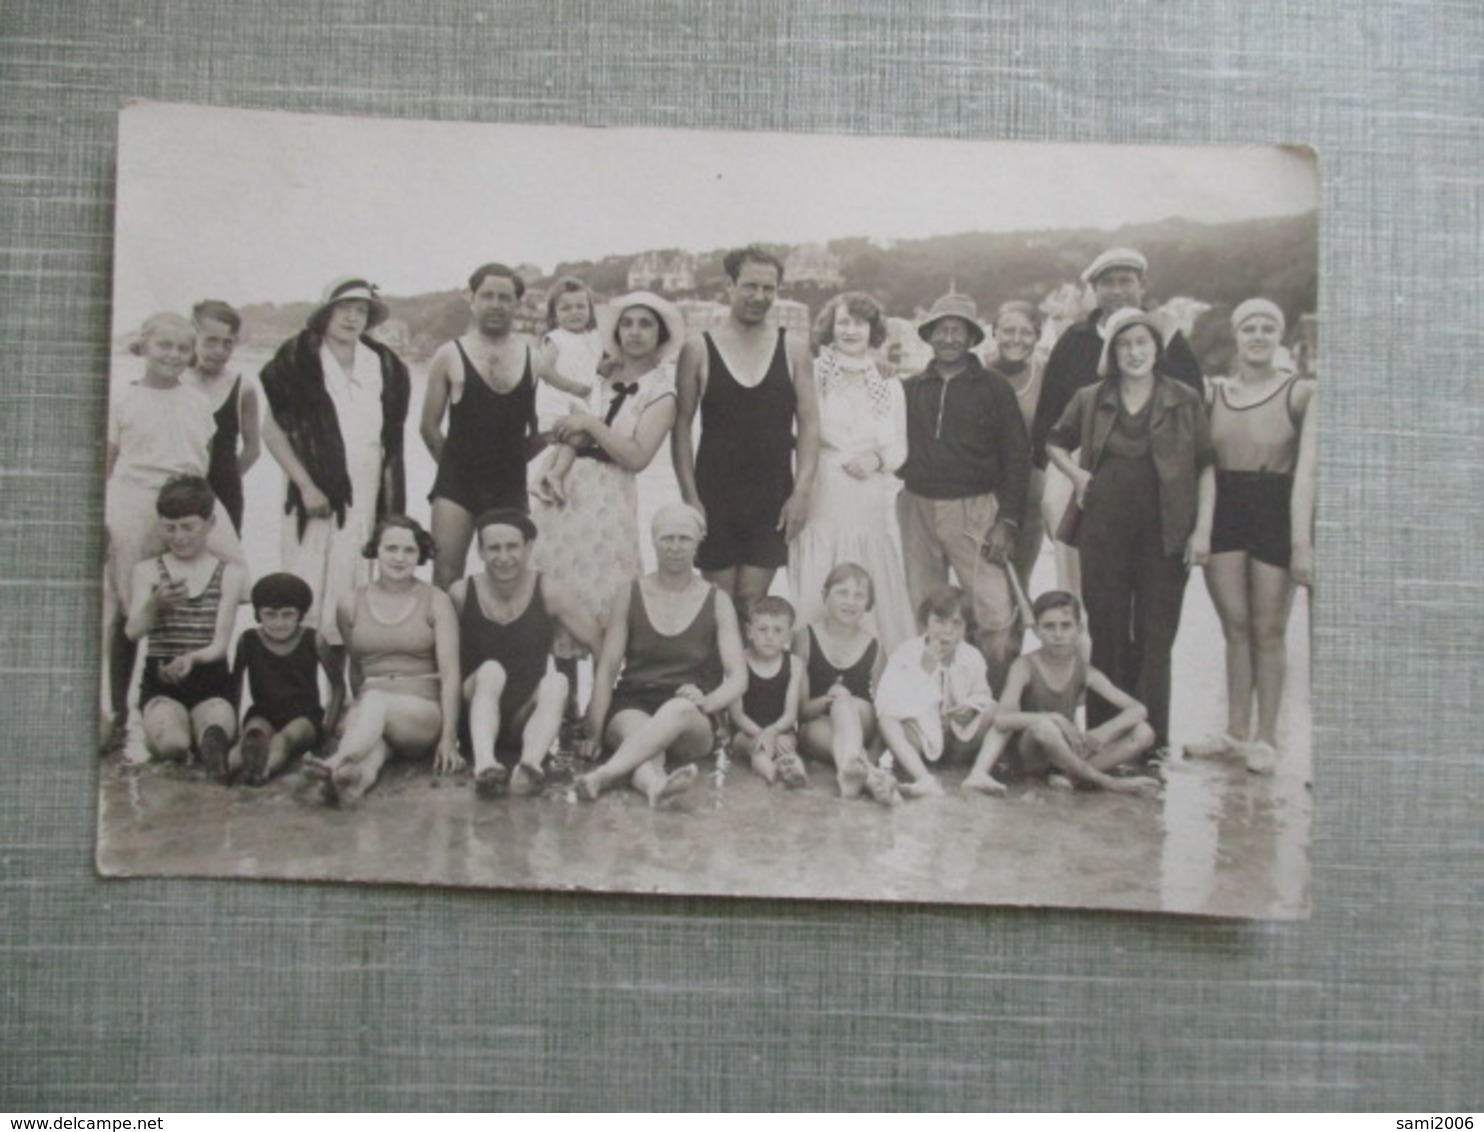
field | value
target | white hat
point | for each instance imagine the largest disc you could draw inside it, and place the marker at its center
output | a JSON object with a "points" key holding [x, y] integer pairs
{"points": [[1115, 257], [667, 312], [1118, 322]]}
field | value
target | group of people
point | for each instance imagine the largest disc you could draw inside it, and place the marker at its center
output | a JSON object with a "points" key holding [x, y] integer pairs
{"points": [[908, 515]]}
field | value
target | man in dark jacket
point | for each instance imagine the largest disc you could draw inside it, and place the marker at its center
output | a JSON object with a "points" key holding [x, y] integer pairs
{"points": [[1117, 277], [967, 470]]}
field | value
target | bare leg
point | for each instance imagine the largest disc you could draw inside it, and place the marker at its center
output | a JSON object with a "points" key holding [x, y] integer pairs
{"points": [[1123, 748], [753, 582], [167, 729], [1045, 736], [540, 733], [990, 750], [840, 737], [903, 744], [1226, 581], [1271, 602], [213, 724], [651, 780], [482, 695], [678, 724], [349, 781], [452, 530], [745, 747]]}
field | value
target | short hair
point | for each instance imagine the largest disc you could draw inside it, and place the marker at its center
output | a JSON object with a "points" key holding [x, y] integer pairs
{"points": [[426, 547], [1056, 599], [659, 318], [1017, 306], [752, 253], [155, 322], [485, 270], [860, 305], [1115, 370], [218, 311], [852, 572], [945, 602], [505, 517], [281, 591], [771, 605], [184, 497], [568, 285]]}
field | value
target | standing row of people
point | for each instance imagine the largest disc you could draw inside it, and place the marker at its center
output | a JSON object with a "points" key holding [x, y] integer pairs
{"points": [[798, 464]]}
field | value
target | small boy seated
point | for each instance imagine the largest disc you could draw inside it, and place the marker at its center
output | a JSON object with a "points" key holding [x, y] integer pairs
{"points": [[934, 698], [185, 601], [281, 660], [1036, 722], [766, 718]]}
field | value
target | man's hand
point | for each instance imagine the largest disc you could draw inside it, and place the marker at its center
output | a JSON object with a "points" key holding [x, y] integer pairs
{"points": [[998, 543]]}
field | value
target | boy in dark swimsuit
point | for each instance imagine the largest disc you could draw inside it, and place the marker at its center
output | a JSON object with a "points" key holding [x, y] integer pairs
{"points": [[279, 664], [766, 718], [1035, 721]]}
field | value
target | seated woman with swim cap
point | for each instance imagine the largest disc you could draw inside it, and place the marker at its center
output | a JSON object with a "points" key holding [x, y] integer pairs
{"points": [[673, 636], [402, 636]]}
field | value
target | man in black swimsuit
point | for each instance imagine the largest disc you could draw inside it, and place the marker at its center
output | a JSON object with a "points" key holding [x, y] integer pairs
{"points": [[752, 476], [506, 617]]}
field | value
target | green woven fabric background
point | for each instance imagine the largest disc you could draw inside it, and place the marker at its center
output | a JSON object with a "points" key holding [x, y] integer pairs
{"points": [[171, 995]]}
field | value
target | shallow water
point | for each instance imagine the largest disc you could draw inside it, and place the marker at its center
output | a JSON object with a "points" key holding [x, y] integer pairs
{"points": [[1219, 841]]}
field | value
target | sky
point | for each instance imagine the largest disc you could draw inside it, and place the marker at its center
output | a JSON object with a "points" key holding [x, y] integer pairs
{"points": [[252, 206]]}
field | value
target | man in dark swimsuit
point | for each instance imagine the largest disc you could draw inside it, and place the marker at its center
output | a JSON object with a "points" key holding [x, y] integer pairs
{"points": [[485, 382], [506, 617], [754, 387]]}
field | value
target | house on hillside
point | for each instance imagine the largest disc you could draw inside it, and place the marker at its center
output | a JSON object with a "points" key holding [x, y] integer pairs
{"points": [[668, 275], [814, 264]]}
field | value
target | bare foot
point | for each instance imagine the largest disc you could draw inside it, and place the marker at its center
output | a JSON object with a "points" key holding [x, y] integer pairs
{"points": [[983, 784], [791, 771], [677, 782], [317, 767], [350, 783], [587, 789], [492, 782], [928, 787], [852, 777], [526, 780], [764, 768], [882, 785], [1147, 786], [1059, 782]]}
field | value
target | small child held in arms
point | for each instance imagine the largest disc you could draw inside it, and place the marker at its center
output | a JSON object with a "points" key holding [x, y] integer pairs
{"points": [[934, 698], [281, 661], [767, 716], [185, 601], [1036, 722]]}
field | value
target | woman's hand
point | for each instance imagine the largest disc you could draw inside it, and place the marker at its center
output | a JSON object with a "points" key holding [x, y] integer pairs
{"points": [[1198, 547], [766, 743], [446, 759], [691, 694], [838, 691], [1301, 564], [575, 427], [316, 502], [550, 488], [863, 467]]}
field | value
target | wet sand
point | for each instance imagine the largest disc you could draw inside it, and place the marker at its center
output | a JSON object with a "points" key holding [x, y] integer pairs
{"points": [[1217, 841]]}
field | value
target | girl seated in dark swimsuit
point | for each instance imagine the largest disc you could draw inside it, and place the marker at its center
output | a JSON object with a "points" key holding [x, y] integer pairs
{"points": [[843, 662]]}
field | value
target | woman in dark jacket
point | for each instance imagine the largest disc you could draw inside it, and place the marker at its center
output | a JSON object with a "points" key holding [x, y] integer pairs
{"points": [[1146, 489], [337, 402]]}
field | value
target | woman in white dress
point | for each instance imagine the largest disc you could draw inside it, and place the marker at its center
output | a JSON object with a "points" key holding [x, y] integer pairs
{"points": [[337, 403], [862, 442], [585, 503]]}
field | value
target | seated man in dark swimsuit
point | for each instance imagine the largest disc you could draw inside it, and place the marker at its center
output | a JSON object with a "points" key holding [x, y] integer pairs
{"points": [[507, 614]]}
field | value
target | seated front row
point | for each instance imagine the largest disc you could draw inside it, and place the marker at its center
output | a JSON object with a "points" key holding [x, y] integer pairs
{"points": [[670, 662]]}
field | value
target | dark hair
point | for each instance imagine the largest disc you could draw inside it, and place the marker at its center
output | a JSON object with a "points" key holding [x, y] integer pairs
{"points": [[426, 547], [183, 497], [771, 605], [485, 270], [860, 305], [505, 517], [945, 602], [851, 571], [1116, 371], [664, 328], [218, 311], [1056, 599], [1017, 306], [752, 253], [281, 591], [568, 285]]}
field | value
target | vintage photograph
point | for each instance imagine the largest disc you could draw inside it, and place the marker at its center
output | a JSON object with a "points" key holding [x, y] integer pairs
{"points": [[756, 515]]}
